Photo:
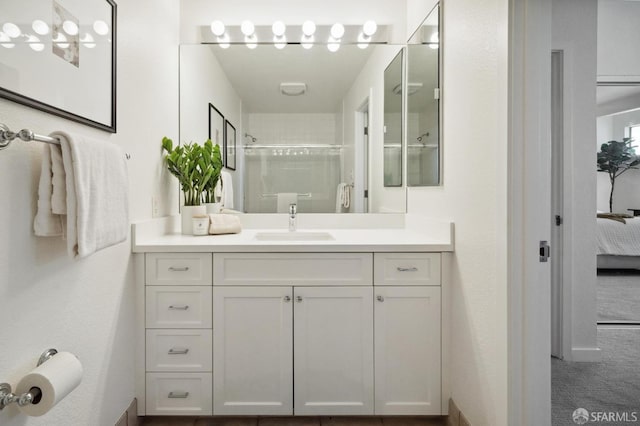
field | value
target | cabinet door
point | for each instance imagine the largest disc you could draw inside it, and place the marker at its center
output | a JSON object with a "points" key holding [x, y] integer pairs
{"points": [[407, 350], [252, 351], [333, 350]]}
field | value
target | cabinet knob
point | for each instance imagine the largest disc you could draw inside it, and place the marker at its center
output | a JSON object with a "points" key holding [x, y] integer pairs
{"points": [[299, 299], [380, 298], [287, 299], [178, 268]]}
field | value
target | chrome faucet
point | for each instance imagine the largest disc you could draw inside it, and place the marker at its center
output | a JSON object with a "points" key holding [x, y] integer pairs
{"points": [[292, 217]]}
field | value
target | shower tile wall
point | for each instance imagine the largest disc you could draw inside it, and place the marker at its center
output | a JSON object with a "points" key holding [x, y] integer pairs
{"points": [[313, 173]]}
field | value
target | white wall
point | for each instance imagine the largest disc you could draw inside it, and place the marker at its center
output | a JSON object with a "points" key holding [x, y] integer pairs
{"points": [[417, 11], [87, 306], [473, 195], [618, 39], [203, 81], [575, 32]]}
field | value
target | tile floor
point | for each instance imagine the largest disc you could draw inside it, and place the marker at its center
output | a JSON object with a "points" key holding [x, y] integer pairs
{"points": [[293, 421]]}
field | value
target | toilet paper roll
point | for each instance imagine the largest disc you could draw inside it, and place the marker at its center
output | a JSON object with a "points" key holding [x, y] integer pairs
{"points": [[55, 378]]}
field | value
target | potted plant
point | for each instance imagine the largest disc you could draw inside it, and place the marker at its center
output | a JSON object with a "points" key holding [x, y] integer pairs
{"points": [[213, 158], [189, 164], [615, 158]]}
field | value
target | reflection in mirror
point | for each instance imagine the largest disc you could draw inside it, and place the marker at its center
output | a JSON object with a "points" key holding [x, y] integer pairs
{"points": [[423, 117], [618, 118], [299, 116], [393, 122]]}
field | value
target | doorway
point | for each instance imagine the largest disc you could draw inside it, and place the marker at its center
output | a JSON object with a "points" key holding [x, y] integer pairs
{"points": [[361, 179]]}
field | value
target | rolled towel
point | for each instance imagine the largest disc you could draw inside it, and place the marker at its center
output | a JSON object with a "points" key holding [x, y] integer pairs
{"points": [[224, 224]]}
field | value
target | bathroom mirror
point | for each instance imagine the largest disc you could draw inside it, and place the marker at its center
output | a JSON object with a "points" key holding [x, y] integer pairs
{"points": [[423, 104], [393, 122], [309, 123]]}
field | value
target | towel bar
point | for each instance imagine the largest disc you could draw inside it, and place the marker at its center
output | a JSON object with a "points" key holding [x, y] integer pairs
{"points": [[7, 136]]}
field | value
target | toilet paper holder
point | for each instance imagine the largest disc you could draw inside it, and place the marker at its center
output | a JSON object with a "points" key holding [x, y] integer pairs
{"points": [[33, 396]]}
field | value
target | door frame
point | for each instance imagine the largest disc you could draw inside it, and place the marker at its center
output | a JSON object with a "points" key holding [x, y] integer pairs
{"points": [[361, 179], [529, 304]]}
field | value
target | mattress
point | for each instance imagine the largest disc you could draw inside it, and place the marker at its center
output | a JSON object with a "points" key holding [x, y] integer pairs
{"points": [[618, 239]]}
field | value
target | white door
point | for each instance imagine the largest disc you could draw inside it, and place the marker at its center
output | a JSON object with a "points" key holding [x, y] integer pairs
{"points": [[333, 353], [407, 350], [252, 351]]}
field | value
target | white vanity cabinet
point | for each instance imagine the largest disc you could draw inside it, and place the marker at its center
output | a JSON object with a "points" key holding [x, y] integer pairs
{"points": [[178, 335], [299, 333]]}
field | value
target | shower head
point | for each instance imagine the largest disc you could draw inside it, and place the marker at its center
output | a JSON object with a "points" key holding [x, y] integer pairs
{"points": [[247, 135], [425, 135]]}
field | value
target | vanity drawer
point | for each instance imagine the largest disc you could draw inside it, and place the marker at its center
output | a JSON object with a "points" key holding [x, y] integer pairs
{"points": [[179, 350], [178, 268], [407, 268], [296, 269], [188, 394], [178, 307]]}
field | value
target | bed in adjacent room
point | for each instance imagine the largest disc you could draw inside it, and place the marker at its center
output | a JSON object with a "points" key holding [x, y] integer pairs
{"points": [[618, 242]]}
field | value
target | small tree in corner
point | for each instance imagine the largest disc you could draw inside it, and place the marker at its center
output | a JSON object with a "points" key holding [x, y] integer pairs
{"points": [[615, 158]]}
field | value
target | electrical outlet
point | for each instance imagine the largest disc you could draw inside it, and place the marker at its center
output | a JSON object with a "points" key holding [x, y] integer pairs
{"points": [[155, 207]]}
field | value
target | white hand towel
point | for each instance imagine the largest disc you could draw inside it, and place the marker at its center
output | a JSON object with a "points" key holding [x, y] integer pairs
{"points": [[224, 224], [339, 194], [46, 223], [97, 194], [224, 189], [285, 199], [59, 181]]}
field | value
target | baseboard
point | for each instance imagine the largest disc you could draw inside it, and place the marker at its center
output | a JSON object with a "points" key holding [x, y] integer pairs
{"points": [[456, 417], [586, 354], [130, 416]]}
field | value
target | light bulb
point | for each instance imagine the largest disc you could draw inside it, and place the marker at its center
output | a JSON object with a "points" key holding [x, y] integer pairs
{"points": [[369, 28], [11, 29], [40, 27], [34, 43], [307, 41], [308, 28], [363, 41], [279, 42], [223, 41], [247, 28], [4, 39], [101, 28], [333, 45], [70, 27], [251, 41], [61, 41], [278, 28], [337, 31], [88, 41], [217, 28]]}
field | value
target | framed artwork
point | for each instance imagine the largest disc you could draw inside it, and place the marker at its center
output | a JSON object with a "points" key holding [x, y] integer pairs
{"points": [[230, 146], [59, 56], [216, 127]]}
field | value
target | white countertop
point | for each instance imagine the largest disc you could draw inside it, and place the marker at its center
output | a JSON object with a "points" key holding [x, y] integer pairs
{"points": [[423, 236]]}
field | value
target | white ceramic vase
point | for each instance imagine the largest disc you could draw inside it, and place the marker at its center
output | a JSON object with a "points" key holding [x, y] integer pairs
{"points": [[187, 214]]}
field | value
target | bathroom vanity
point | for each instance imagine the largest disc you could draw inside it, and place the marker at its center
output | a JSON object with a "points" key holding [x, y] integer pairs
{"points": [[337, 321]]}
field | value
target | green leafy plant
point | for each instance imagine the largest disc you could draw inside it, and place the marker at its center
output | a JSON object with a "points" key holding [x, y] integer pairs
{"points": [[615, 158], [192, 166], [213, 157]]}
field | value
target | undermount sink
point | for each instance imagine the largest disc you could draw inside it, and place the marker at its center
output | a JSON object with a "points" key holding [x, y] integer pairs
{"points": [[294, 236]]}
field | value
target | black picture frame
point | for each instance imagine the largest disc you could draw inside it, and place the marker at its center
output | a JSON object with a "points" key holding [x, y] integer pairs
{"points": [[229, 146], [217, 128], [80, 87]]}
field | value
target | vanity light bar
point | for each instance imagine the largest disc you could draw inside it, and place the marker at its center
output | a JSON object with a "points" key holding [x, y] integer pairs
{"points": [[279, 34]]}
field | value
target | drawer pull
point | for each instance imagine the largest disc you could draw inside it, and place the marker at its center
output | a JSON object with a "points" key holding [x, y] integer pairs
{"points": [[412, 269], [179, 307], [178, 268], [380, 298], [178, 395], [173, 351]]}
